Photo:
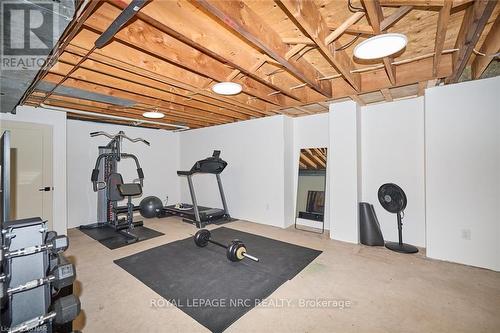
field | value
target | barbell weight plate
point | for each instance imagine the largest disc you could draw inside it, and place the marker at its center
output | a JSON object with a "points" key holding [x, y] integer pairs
{"points": [[240, 251], [233, 251], [201, 237]]}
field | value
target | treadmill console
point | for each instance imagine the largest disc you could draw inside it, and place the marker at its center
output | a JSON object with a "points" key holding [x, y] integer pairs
{"points": [[213, 164]]}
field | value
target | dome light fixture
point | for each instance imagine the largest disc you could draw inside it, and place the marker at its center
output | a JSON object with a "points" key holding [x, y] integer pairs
{"points": [[153, 114], [380, 46], [227, 88]]}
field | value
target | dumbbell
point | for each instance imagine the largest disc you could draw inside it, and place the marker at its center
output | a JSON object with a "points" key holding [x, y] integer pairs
{"points": [[62, 275], [235, 251], [64, 310], [54, 244]]}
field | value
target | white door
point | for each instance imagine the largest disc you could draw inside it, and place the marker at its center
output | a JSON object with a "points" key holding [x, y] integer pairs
{"points": [[31, 170]]}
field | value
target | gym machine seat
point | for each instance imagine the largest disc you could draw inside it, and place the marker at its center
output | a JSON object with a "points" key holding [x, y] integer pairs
{"points": [[193, 213], [128, 191]]}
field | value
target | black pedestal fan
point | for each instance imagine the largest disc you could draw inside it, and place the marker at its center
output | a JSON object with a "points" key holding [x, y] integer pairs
{"points": [[393, 199]]}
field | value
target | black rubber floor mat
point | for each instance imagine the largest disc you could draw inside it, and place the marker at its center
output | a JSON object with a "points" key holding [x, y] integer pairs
{"points": [[112, 239], [208, 287]]}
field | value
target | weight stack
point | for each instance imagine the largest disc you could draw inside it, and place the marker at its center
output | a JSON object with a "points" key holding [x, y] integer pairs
{"points": [[369, 228]]}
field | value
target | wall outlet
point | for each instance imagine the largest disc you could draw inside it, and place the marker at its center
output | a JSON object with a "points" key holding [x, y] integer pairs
{"points": [[466, 234]]}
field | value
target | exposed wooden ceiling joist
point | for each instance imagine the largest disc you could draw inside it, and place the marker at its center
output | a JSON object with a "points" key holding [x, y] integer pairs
{"points": [[387, 22], [376, 16], [442, 26], [310, 20], [473, 23], [491, 46], [240, 18], [288, 55]]}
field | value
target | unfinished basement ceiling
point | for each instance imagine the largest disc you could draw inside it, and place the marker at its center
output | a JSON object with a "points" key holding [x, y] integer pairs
{"points": [[16, 80], [291, 57]]}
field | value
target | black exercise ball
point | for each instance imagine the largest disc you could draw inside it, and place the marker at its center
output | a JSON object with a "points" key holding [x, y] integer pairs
{"points": [[151, 207]]}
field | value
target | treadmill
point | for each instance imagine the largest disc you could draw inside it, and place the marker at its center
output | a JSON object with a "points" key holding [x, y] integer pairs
{"points": [[193, 213]]}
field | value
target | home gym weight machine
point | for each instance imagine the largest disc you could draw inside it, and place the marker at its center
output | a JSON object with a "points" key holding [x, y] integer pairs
{"points": [[108, 184]]}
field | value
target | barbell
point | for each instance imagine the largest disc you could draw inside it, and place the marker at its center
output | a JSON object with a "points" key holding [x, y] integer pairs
{"points": [[235, 251]]}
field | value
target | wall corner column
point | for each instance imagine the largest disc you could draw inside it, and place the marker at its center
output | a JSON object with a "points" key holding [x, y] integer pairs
{"points": [[344, 159]]}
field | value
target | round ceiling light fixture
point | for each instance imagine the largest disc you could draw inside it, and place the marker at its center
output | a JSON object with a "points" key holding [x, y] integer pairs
{"points": [[380, 46], [227, 88], [153, 115]]}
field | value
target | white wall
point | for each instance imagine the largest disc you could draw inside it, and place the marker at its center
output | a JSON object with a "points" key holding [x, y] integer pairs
{"points": [[290, 171], [254, 178], [310, 131], [58, 122], [343, 161], [160, 162], [393, 152], [463, 172]]}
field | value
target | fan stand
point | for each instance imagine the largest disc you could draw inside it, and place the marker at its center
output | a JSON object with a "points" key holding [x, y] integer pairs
{"points": [[400, 246]]}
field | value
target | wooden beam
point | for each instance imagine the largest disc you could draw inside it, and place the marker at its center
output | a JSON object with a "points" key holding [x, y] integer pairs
{"points": [[298, 40], [423, 3], [301, 109], [343, 27], [475, 18], [376, 16], [394, 17], [410, 73], [432, 83], [294, 50], [491, 45], [98, 107], [233, 74], [390, 69], [240, 18], [187, 110], [157, 92], [203, 35], [135, 62], [308, 161], [316, 158], [119, 73], [358, 100], [309, 19], [387, 95], [176, 52], [421, 88], [416, 3], [357, 29], [442, 26], [321, 154]]}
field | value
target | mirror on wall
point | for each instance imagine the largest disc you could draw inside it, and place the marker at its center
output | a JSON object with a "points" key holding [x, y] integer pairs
{"points": [[311, 186]]}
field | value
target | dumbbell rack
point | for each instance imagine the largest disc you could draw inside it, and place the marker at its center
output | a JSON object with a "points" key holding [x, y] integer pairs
{"points": [[28, 253]]}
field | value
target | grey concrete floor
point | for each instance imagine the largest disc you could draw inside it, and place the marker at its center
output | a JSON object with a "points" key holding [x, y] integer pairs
{"points": [[368, 289]]}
